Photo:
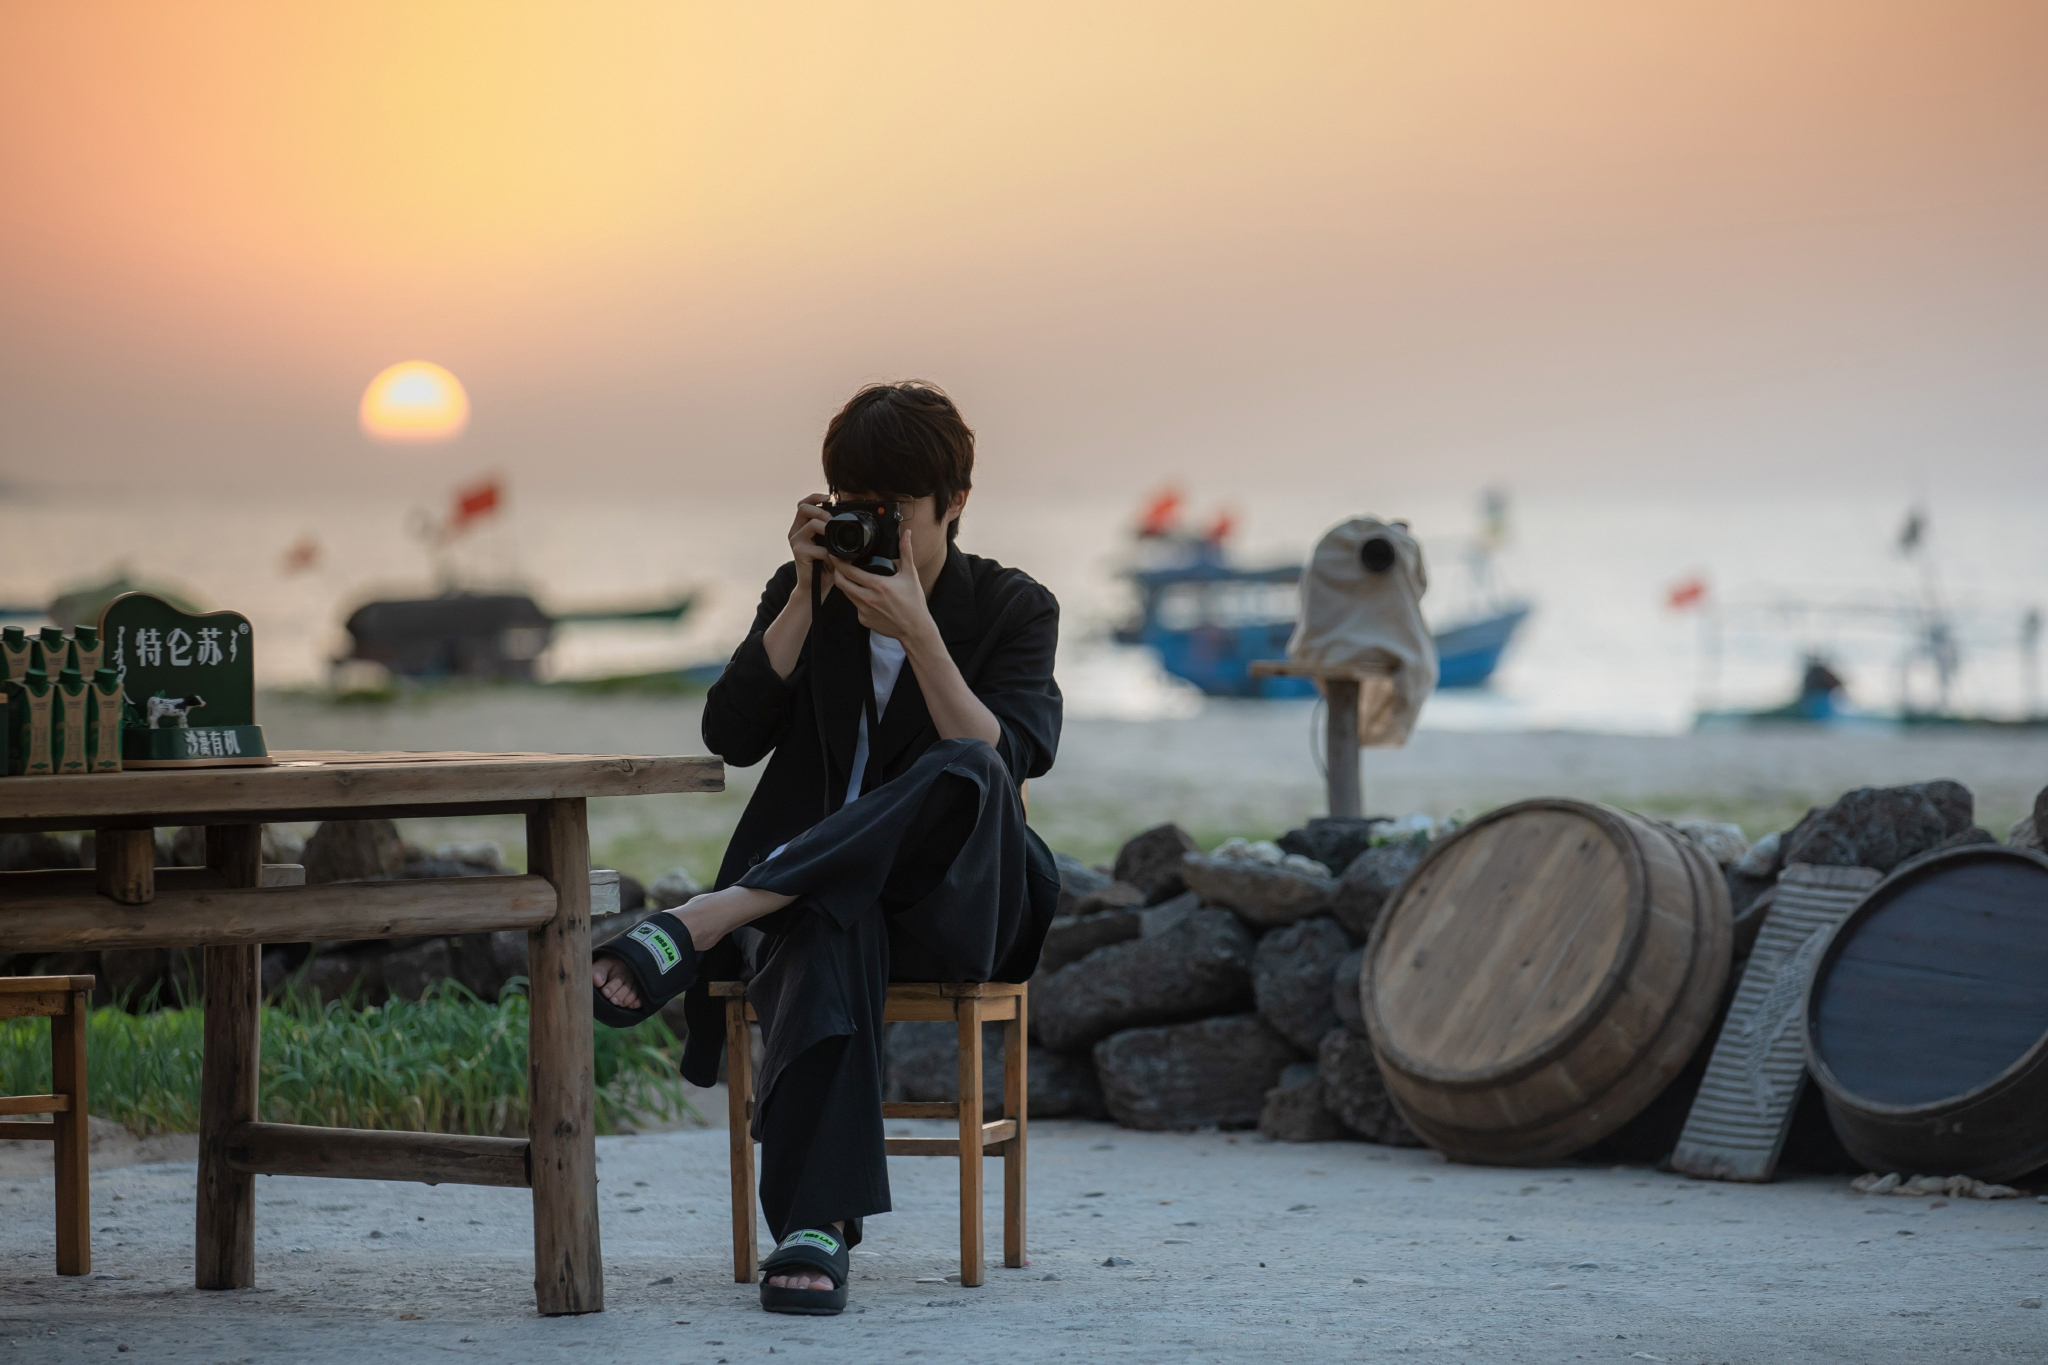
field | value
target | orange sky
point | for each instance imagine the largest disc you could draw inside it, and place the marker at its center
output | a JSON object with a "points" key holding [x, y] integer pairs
{"points": [[1440, 241]]}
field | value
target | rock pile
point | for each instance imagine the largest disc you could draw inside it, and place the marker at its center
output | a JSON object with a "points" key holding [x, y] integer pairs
{"points": [[1214, 989]]}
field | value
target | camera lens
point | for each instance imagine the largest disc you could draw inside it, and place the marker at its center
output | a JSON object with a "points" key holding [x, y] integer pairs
{"points": [[849, 533], [1377, 554]]}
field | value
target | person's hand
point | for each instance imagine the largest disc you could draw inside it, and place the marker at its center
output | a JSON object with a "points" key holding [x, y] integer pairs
{"points": [[892, 604], [615, 983], [808, 550]]}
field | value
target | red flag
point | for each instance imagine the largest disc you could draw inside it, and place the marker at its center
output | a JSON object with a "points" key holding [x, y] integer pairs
{"points": [[474, 503], [1220, 529], [1161, 514], [1686, 593]]}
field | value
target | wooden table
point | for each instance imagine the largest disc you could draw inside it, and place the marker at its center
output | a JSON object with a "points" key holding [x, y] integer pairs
{"points": [[226, 909]]}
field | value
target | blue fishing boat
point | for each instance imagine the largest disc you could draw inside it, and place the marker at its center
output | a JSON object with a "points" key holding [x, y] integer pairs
{"points": [[1209, 620]]}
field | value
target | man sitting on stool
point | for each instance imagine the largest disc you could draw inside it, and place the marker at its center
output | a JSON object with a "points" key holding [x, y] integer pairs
{"points": [[886, 841]]}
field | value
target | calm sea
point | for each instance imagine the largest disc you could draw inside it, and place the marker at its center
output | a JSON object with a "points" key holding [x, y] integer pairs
{"points": [[1786, 574]]}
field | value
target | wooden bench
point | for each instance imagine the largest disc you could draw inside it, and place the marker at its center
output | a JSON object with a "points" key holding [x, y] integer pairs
{"points": [[969, 1005], [64, 1001]]}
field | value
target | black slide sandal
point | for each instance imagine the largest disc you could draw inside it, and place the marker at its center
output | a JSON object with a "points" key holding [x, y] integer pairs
{"points": [[817, 1249], [662, 960]]}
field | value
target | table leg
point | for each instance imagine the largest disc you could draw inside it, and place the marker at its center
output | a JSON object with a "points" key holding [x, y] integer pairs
{"points": [[568, 1265], [1347, 789], [225, 1254], [74, 1167]]}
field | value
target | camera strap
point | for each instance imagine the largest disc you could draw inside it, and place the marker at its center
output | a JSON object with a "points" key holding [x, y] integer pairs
{"points": [[815, 644]]}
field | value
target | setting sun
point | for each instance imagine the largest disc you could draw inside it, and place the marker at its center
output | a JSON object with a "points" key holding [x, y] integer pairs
{"points": [[415, 400]]}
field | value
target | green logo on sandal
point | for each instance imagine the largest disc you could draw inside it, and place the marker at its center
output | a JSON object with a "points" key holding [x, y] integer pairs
{"points": [[659, 943], [814, 1238]]}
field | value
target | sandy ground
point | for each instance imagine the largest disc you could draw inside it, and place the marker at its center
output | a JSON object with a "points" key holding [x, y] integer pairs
{"points": [[1237, 767], [1237, 1249]]}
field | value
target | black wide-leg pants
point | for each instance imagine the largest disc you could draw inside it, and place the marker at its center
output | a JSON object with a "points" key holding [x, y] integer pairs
{"points": [[921, 879]]}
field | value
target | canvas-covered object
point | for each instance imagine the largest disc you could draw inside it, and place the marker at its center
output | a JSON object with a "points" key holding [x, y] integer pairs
{"points": [[1361, 607]]}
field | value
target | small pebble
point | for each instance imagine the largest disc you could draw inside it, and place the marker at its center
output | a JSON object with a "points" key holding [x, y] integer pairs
{"points": [[1048, 1279], [1904, 1232], [1176, 1242], [376, 1234], [666, 1279], [1584, 1265], [1513, 1238], [1121, 1260], [2032, 1301]]}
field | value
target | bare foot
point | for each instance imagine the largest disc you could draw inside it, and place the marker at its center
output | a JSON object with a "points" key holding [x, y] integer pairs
{"points": [[611, 978], [805, 1279]]}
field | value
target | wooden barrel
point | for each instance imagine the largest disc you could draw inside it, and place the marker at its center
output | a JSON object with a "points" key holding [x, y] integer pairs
{"points": [[1927, 1017], [1541, 976]]}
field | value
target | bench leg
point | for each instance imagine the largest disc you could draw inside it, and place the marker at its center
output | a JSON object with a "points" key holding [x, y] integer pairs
{"points": [[968, 1012], [74, 1171], [739, 1117], [224, 1256], [568, 1264], [1016, 1103]]}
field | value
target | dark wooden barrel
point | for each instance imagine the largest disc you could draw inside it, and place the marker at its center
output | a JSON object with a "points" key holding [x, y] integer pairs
{"points": [[1541, 976], [1927, 1017]]}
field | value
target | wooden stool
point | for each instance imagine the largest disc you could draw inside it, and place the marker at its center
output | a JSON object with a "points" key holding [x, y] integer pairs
{"points": [[64, 1001], [968, 1004]]}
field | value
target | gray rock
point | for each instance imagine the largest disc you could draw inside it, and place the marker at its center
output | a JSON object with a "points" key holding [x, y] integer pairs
{"points": [[1069, 938], [1112, 896], [280, 845], [1356, 1093], [1263, 894], [355, 975], [1765, 857], [1371, 880], [1151, 861], [1213, 1073], [1294, 1112], [1077, 879], [672, 888], [1725, 844], [1202, 965], [2025, 833], [1292, 971], [1881, 827], [353, 851], [1344, 997], [1334, 841], [411, 973], [924, 1064], [33, 853], [1157, 919], [485, 962]]}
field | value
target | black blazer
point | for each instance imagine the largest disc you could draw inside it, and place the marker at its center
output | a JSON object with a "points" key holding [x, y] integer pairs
{"points": [[1000, 627]]}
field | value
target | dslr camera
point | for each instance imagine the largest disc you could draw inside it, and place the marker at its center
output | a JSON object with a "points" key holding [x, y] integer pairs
{"points": [[864, 534]]}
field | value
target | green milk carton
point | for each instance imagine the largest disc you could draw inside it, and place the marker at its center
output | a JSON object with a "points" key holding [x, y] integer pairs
{"points": [[14, 644], [89, 650], [103, 742], [31, 707], [68, 720]]}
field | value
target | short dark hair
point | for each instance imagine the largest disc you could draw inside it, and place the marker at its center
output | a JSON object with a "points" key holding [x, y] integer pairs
{"points": [[903, 438]]}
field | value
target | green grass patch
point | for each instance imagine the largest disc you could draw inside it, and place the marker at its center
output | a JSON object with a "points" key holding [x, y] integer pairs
{"points": [[450, 1063]]}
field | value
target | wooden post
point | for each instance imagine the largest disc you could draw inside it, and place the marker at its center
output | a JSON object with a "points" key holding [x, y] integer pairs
{"points": [[74, 1169], [125, 865], [739, 1090], [1016, 1105], [1347, 788], [224, 1256], [968, 1011], [568, 1266]]}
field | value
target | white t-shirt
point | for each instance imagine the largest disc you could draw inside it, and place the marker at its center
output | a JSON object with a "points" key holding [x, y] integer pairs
{"points": [[885, 666]]}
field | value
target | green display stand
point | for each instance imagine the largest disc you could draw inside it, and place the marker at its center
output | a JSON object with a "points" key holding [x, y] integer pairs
{"points": [[189, 682]]}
